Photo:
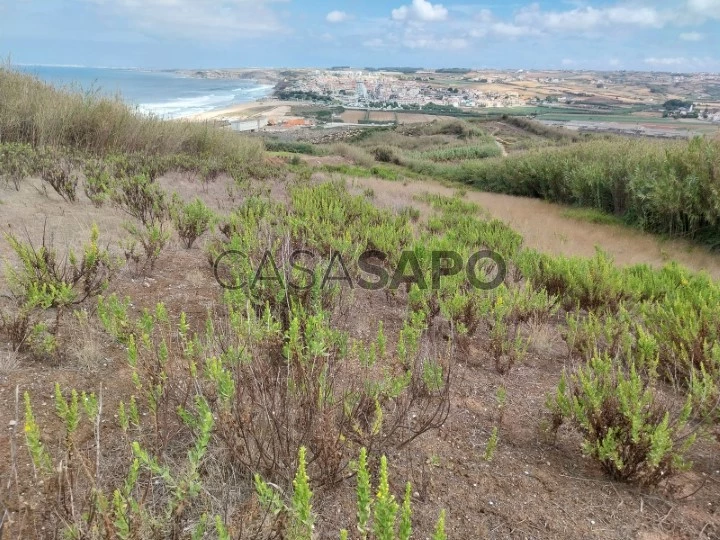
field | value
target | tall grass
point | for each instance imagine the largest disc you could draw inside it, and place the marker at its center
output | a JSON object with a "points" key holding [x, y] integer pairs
{"points": [[663, 187], [36, 113]]}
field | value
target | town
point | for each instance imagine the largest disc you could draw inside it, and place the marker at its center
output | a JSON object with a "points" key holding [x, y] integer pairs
{"points": [[409, 89]]}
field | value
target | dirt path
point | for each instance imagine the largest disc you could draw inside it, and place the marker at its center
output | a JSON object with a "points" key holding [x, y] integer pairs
{"points": [[544, 227]]}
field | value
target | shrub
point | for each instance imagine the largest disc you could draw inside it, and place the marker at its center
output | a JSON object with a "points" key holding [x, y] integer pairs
{"points": [[385, 155], [152, 240], [626, 426], [142, 199], [98, 181], [17, 162], [58, 170], [379, 517], [69, 280], [192, 220]]}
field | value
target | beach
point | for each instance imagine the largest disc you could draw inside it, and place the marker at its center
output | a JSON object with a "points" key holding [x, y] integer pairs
{"points": [[262, 108]]}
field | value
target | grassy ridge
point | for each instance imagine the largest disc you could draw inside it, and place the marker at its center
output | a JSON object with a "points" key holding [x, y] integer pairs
{"points": [[36, 113]]}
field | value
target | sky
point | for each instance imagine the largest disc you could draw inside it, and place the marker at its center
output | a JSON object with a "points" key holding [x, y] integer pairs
{"points": [[680, 35]]}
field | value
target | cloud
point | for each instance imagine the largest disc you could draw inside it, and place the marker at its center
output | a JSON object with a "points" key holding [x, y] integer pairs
{"points": [[510, 30], [532, 20], [588, 18], [375, 43], [226, 20], [695, 63], [705, 8], [420, 10], [667, 61], [438, 44], [337, 17], [692, 36]]}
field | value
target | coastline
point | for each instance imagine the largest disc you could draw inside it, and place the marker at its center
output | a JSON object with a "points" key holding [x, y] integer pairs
{"points": [[263, 107]]}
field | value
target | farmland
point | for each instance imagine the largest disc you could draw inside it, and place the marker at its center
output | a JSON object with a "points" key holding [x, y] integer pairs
{"points": [[153, 387]]}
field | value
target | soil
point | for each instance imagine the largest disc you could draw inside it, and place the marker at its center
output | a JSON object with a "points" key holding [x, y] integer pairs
{"points": [[532, 488]]}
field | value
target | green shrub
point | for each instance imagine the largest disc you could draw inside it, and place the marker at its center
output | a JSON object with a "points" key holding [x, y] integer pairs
{"points": [[293, 147], [58, 170], [626, 425], [151, 238], [17, 162], [98, 181], [65, 281], [192, 220], [142, 199]]}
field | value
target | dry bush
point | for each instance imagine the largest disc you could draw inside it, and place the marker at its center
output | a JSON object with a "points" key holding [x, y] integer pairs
{"points": [[357, 155], [8, 360]]}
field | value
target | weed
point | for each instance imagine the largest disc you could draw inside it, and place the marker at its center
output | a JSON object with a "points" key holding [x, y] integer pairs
{"points": [[491, 445], [98, 182]]}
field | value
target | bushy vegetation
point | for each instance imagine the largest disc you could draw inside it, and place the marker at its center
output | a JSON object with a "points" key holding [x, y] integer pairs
{"points": [[37, 114], [233, 420], [191, 220], [661, 187], [626, 425]]}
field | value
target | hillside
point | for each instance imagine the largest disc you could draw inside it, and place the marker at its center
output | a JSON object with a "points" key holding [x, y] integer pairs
{"points": [[206, 335]]}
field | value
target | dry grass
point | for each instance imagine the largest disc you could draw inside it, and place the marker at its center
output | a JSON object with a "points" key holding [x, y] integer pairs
{"points": [[36, 113], [353, 153], [9, 361]]}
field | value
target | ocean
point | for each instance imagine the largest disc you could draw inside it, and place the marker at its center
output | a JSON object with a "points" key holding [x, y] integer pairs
{"points": [[165, 94]]}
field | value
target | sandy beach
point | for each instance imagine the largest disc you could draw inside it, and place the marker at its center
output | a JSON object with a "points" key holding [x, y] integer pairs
{"points": [[270, 108]]}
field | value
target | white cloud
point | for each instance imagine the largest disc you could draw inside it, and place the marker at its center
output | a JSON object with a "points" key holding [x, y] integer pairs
{"points": [[337, 17], [568, 62], [441, 44], [705, 8], [588, 18], [420, 10], [692, 36], [375, 43], [510, 30], [705, 63], [667, 61], [191, 19]]}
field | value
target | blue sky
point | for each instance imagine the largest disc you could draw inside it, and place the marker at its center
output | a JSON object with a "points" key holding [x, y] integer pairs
{"points": [[683, 35]]}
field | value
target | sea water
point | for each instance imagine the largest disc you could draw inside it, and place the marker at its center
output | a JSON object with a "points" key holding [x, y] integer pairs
{"points": [[163, 93]]}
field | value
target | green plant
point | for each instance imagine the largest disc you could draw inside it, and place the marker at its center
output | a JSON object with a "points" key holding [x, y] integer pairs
{"points": [[192, 220], [142, 199], [302, 524], [439, 533], [17, 162], [390, 521], [625, 425], [152, 240], [98, 184], [58, 170], [491, 445], [364, 494], [65, 281]]}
